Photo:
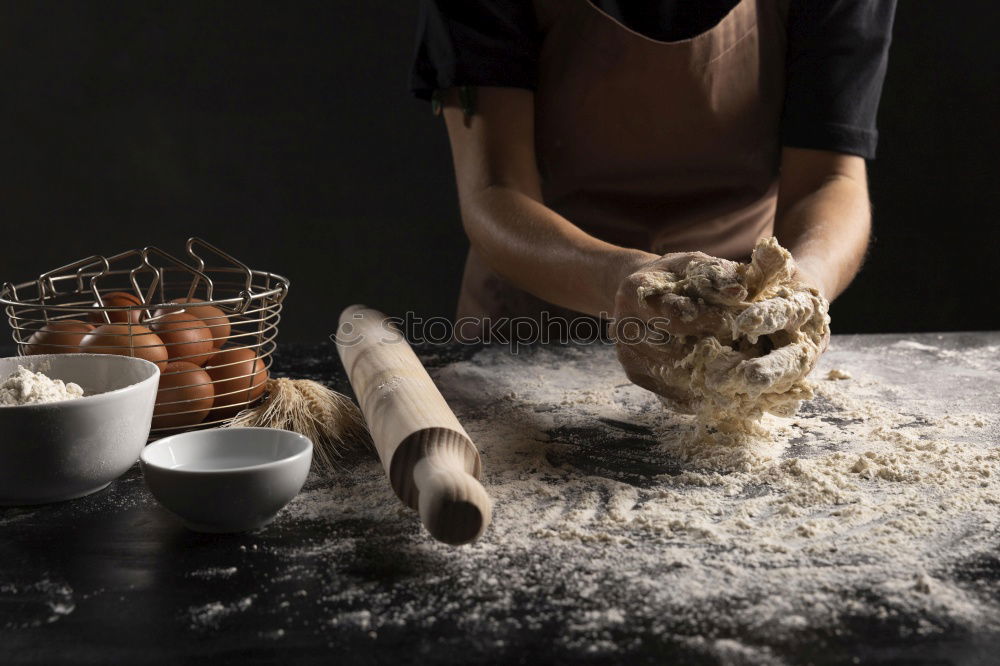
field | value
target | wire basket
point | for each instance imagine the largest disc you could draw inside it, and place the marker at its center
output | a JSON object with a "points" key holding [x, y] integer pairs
{"points": [[209, 324]]}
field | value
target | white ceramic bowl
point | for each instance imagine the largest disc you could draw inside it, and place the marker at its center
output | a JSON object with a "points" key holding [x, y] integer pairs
{"points": [[227, 479], [62, 450]]}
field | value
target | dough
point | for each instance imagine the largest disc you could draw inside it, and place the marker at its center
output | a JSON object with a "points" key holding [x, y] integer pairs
{"points": [[769, 331]]}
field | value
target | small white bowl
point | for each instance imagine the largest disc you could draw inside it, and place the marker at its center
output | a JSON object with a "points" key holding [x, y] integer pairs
{"points": [[227, 479], [57, 451]]}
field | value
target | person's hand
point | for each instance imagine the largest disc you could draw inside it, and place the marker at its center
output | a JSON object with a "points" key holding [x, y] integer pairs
{"points": [[652, 323], [809, 280], [671, 303]]}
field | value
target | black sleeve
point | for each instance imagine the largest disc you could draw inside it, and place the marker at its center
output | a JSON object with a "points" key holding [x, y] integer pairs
{"points": [[836, 60], [475, 43]]}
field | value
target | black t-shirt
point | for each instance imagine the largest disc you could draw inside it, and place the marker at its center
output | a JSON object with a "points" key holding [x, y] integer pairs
{"points": [[835, 61]]}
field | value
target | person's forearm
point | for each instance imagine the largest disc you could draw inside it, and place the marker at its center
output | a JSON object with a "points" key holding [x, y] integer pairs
{"points": [[537, 250], [499, 189], [827, 231]]}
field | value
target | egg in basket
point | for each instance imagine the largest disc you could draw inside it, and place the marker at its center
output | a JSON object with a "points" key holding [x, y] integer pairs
{"points": [[208, 321]]}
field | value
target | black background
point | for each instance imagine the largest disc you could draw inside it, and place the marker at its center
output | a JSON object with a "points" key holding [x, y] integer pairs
{"points": [[284, 133]]}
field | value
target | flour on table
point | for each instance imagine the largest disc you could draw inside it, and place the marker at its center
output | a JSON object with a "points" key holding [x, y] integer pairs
{"points": [[41, 602], [876, 505], [25, 387], [214, 572], [210, 615], [874, 516]]}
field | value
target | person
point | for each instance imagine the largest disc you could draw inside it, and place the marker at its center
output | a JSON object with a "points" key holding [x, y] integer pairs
{"points": [[593, 140]]}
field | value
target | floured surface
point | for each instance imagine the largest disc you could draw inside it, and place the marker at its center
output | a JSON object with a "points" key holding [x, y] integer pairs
{"points": [[869, 529], [880, 492]]}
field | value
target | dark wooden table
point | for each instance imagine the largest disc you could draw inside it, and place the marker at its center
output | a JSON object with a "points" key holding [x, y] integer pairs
{"points": [[113, 578]]}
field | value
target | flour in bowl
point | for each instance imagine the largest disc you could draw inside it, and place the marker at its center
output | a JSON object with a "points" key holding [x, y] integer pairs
{"points": [[25, 387]]}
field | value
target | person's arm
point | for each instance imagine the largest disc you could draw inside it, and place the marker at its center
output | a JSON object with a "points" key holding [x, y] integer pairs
{"points": [[824, 216], [499, 191]]}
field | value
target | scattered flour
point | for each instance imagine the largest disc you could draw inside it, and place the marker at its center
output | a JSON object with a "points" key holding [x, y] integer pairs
{"points": [[212, 614], [214, 572], [872, 514], [42, 602], [25, 387], [872, 509]]}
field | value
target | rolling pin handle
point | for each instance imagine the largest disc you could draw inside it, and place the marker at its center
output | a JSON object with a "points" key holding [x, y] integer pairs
{"points": [[431, 462], [453, 505]]}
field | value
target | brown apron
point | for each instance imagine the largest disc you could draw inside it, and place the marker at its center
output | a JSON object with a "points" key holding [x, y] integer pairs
{"points": [[661, 146]]}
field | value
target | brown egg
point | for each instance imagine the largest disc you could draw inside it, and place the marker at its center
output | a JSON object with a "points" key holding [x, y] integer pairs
{"points": [[186, 337], [58, 337], [185, 396], [238, 373], [118, 299], [215, 318], [125, 340]]}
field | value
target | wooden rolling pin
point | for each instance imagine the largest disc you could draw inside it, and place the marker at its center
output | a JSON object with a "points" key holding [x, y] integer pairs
{"points": [[432, 464]]}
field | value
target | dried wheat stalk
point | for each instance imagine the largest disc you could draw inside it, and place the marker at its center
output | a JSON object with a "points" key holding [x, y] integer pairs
{"points": [[331, 420]]}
